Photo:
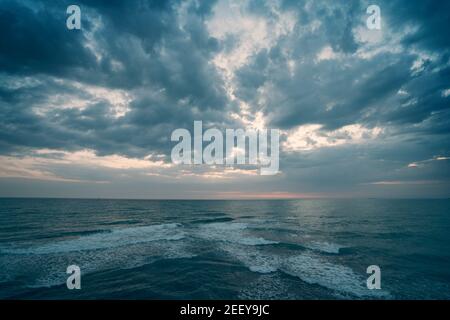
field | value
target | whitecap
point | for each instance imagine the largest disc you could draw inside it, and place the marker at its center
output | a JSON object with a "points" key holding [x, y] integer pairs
{"points": [[326, 247], [342, 280], [337, 277], [115, 238], [231, 232]]}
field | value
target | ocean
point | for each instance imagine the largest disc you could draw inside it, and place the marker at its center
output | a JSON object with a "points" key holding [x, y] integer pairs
{"points": [[176, 249]]}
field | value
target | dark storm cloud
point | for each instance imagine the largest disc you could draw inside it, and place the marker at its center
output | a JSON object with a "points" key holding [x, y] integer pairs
{"points": [[32, 40], [430, 18], [402, 88], [347, 88], [319, 93], [147, 39], [21, 126], [156, 51], [425, 101], [158, 55]]}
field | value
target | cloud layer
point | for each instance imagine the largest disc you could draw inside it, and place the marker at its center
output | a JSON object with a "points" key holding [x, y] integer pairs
{"points": [[89, 112]]}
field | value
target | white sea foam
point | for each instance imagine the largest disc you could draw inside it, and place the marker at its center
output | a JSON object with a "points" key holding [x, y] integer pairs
{"points": [[48, 263], [324, 247], [115, 238], [159, 240], [254, 258], [232, 233], [115, 258], [337, 277], [307, 267]]}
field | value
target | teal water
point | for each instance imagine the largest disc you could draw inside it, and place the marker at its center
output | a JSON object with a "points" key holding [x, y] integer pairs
{"points": [[294, 249]]}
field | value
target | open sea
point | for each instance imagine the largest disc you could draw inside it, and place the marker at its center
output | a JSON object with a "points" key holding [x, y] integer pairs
{"points": [[277, 249]]}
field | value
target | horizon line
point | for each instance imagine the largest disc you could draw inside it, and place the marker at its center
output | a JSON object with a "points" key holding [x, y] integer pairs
{"points": [[224, 199]]}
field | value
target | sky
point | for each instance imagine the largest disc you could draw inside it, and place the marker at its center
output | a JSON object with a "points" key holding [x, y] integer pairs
{"points": [[89, 113]]}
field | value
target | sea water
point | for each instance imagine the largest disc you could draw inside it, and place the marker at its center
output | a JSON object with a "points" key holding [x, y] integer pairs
{"points": [[278, 249]]}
